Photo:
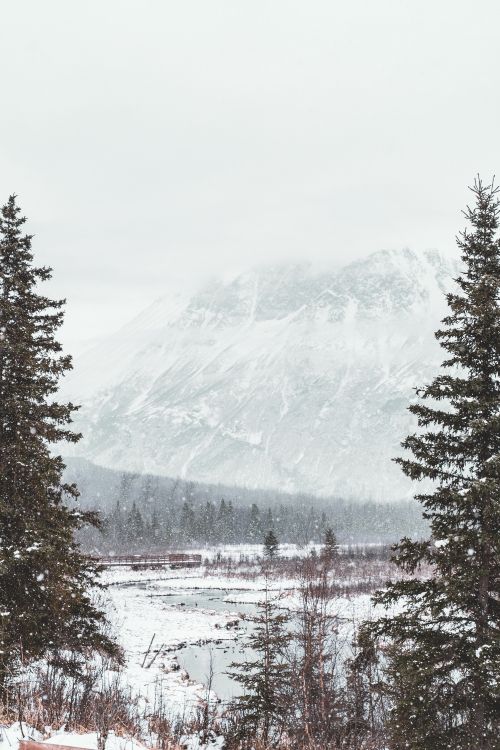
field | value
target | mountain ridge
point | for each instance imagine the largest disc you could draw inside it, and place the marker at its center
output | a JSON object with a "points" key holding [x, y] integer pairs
{"points": [[281, 377]]}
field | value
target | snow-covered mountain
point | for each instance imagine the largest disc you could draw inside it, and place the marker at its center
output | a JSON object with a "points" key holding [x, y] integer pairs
{"points": [[282, 377]]}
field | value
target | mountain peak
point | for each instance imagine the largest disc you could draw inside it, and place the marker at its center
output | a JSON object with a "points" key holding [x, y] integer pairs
{"points": [[283, 376]]}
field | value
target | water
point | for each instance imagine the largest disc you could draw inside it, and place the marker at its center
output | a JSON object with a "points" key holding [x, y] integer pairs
{"points": [[208, 599], [215, 659], [200, 661]]}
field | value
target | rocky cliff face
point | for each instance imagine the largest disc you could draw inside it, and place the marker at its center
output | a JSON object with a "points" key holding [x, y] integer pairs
{"points": [[282, 377]]}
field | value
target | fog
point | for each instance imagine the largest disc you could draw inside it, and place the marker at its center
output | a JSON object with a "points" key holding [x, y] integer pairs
{"points": [[154, 143]]}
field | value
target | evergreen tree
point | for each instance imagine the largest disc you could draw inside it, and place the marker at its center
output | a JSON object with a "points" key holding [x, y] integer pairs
{"points": [[135, 527], [155, 528], [116, 526], [126, 485], [166, 532], [208, 521], [254, 526], [44, 579], [330, 548], [444, 665], [231, 523], [262, 710], [222, 522], [149, 492], [271, 545], [187, 522]]}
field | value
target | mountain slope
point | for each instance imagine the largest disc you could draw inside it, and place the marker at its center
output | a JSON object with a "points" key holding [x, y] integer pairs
{"points": [[281, 377]]}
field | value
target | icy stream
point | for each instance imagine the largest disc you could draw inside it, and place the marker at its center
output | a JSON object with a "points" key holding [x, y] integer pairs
{"points": [[212, 661], [175, 626], [199, 629]]}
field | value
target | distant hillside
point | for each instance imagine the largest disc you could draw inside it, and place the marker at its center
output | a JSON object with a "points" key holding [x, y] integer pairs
{"points": [[100, 488]]}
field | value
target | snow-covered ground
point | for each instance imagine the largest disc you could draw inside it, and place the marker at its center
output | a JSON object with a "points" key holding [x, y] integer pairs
{"points": [[168, 610], [11, 736], [242, 552], [158, 613]]}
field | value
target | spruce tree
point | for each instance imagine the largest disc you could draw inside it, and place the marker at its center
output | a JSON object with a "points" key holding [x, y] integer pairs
{"points": [[444, 657], [44, 579], [187, 522], [254, 525], [135, 527], [116, 525], [330, 549], [155, 528], [271, 545], [266, 679], [222, 522], [209, 523], [231, 523]]}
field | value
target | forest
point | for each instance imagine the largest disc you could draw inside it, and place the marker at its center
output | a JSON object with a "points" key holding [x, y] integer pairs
{"points": [[145, 512]]}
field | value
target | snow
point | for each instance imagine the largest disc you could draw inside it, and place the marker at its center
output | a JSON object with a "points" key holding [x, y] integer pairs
{"points": [[11, 736], [172, 608], [243, 377], [156, 614], [140, 615], [439, 543], [194, 742]]}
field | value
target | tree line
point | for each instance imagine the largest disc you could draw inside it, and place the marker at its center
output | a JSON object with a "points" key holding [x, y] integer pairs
{"points": [[143, 528], [149, 511]]}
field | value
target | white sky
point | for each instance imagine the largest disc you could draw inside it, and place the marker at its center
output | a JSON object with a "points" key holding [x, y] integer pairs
{"points": [[152, 140]]}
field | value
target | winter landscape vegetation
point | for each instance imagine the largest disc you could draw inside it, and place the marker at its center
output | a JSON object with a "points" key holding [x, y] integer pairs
{"points": [[275, 623], [260, 509]]}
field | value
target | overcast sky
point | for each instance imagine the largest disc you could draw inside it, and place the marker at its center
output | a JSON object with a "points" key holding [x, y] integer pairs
{"points": [[152, 140]]}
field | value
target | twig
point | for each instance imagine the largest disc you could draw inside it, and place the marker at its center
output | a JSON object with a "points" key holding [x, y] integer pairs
{"points": [[155, 655], [149, 649]]}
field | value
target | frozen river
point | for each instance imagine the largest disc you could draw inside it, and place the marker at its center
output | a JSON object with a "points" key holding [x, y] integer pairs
{"points": [[212, 661], [194, 627], [177, 627]]}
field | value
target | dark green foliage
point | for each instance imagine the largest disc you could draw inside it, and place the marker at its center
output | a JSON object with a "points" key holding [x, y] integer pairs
{"points": [[364, 702], [254, 526], [135, 528], [225, 522], [188, 523], [295, 519], [444, 657], [271, 545], [330, 549], [44, 579], [168, 523], [155, 528], [266, 680]]}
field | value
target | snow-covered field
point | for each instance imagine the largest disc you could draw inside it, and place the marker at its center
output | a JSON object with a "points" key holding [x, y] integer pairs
{"points": [[158, 613]]}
